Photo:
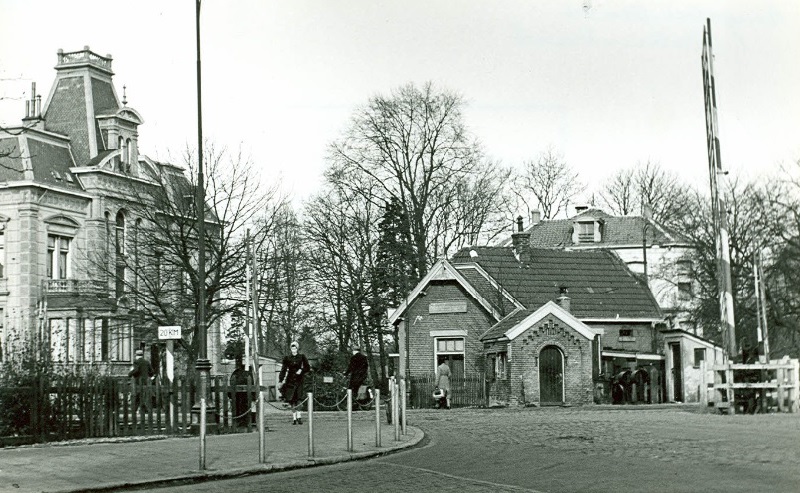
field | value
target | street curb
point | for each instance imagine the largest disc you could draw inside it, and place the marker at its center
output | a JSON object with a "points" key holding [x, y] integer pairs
{"points": [[255, 469]]}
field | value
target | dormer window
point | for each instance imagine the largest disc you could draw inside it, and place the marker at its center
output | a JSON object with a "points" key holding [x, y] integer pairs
{"points": [[587, 231]]}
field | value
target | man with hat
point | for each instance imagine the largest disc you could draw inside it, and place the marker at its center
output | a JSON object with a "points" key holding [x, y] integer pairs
{"points": [[141, 373], [357, 369]]}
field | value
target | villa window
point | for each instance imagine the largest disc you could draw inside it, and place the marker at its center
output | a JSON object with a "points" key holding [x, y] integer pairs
{"points": [[58, 257], [685, 291]]}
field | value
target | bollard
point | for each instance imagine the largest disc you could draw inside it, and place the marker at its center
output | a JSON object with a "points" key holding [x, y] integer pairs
{"points": [[202, 433], [403, 405], [396, 411], [349, 420], [310, 424], [377, 417]]}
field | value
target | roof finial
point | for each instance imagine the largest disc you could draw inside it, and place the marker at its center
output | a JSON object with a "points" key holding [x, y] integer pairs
{"points": [[124, 96]]}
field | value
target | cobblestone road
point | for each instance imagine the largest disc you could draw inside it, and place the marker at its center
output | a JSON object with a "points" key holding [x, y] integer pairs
{"points": [[566, 450]]}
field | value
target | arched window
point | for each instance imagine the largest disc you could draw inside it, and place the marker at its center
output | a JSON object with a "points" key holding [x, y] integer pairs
{"points": [[120, 233], [122, 156], [128, 156]]}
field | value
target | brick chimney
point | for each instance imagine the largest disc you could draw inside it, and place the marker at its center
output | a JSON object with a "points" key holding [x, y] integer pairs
{"points": [[563, 300], [520, 239]]}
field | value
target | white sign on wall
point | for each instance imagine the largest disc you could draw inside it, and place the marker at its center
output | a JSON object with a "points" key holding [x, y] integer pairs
{"points": [[169, 332]]}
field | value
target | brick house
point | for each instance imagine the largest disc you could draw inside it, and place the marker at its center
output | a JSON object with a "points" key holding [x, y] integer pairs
{"points": [[71, 180], [541, 326]]}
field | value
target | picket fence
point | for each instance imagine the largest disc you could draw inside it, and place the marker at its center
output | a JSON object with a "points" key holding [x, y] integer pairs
{"points": [[467, 391], [88, 407]]}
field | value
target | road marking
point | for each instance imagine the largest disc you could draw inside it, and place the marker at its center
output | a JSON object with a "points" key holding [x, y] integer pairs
{"points": [[472, 480]]}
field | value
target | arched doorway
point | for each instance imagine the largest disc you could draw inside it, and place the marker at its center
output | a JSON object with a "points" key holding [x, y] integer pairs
{"points": [[551, 376]]}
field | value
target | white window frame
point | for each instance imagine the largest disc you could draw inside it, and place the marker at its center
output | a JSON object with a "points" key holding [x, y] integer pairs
{"points": [[55, 261], [437, 353]]}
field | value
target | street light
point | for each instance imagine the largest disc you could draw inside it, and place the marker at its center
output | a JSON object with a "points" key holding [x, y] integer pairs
{"points": [[202, 365]]}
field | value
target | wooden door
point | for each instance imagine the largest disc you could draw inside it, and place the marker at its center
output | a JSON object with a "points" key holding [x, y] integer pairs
{"points": [[551, 376]]}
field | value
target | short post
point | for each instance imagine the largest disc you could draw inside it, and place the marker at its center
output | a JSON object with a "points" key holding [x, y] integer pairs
{"points": [[310, 397], [349, 420], [377, 417], [703, 397], [396, 411], [403, 405], [729, 389]]}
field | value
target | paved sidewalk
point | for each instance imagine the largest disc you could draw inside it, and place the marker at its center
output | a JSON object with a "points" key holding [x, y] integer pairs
{"points": [[124, 464]]}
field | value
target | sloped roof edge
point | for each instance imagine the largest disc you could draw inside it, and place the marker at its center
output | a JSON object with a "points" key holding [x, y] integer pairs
{"points": [[442, 269], [553, 308]]}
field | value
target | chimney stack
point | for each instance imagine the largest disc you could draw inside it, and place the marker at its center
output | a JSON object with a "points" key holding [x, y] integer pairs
{"points": [[563, 300], [521, 240]]}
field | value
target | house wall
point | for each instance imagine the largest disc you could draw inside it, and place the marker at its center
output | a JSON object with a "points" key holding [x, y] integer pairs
{"points": [[690, 369], [524, 362], [473, 320], [643, 339]]}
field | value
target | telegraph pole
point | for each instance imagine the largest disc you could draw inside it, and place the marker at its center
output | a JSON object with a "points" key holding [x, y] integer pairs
{"points": [[718, 202]]}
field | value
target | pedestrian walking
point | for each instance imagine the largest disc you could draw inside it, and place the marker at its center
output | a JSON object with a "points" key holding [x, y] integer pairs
{"points": [[240, 401], [357, 370], [293, 369], [141, 371], [443, 383]]}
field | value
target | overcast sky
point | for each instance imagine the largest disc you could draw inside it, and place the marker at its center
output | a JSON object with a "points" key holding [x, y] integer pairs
{"points": [[609, 86]]}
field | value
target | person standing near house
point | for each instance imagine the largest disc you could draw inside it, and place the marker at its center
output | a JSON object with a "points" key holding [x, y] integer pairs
{"points": [[443, 382], [241, 403], [293, 370], [141, 371], [357, 369]]}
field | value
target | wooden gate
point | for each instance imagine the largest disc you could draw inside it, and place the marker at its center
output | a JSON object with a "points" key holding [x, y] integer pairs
{"points": [[551, 376]]}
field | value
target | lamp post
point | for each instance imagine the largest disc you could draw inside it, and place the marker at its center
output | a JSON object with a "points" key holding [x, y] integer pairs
{"points": [[202, 365]]}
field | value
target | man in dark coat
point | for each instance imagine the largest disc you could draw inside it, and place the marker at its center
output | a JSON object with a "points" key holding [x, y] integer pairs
{"points": [[357, 369], [241, 403], [141, 373]]}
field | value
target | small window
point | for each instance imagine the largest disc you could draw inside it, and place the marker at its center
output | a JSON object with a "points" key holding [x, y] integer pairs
{"points": [[699, 355], [684, 268], [685, 291], [626, 335], [450, 345]]}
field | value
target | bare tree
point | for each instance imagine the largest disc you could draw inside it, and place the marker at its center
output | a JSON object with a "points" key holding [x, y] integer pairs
{"points": [[549, 182], [413, 146], [646, 184], [154, 265]]}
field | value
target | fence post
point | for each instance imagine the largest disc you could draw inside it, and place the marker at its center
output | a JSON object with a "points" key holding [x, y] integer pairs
{"points": [[349, 420], [396, 410], [703, 397], [310, 424], [729, 389], [377, 417]]}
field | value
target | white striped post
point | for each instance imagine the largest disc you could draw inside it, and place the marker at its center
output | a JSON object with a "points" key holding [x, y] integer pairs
{"points": [[310, 424], [403, 405]]}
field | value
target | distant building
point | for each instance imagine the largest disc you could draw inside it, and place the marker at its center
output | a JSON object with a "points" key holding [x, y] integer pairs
{"points": [[644, 246], [71, 248]]}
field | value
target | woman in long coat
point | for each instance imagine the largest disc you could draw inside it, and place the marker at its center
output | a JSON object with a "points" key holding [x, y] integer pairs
{"points": [[294, 368], [443, 382]]}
